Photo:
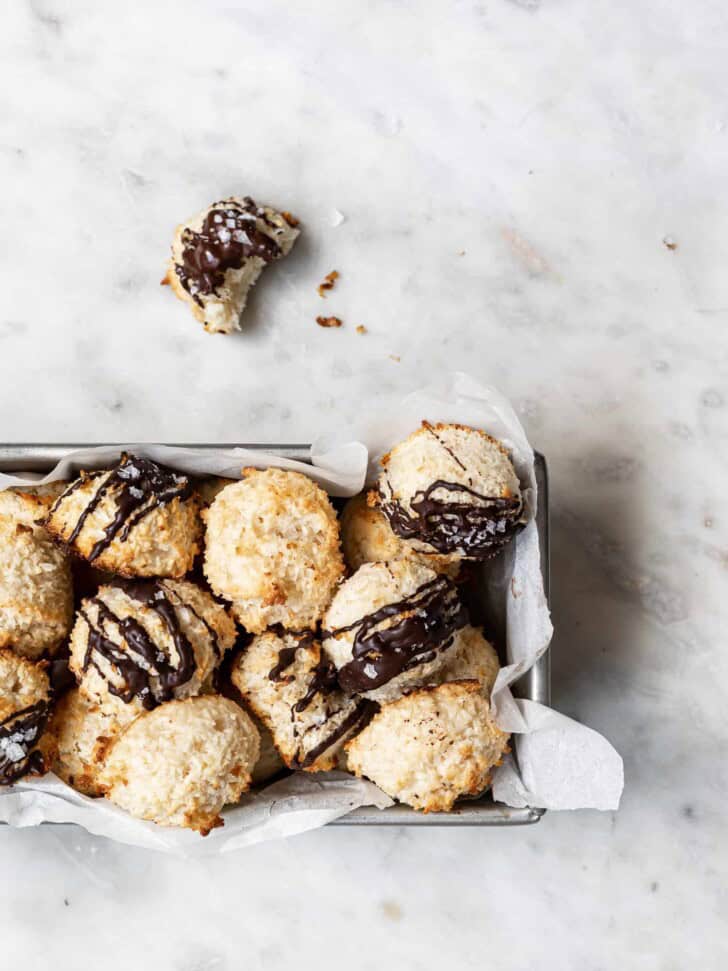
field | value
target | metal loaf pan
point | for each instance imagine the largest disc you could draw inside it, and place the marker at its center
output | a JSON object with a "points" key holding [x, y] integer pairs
{"points": [[535, 685]]}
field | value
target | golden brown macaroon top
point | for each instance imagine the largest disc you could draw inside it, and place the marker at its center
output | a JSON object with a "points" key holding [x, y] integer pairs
{"points": [[272, 549], [431, 747], [137, 519]]}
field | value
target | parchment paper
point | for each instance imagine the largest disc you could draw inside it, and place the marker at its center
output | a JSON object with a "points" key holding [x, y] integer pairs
{"points": [[560, 763]]}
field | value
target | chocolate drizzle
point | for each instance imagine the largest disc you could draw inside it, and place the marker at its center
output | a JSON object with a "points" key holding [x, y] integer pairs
{"points": [[144, 666], [450, 525], [323, 682], [360, 713], [228, 236], [19, 732], [428, 428], [343, 713], [137, 486], [287, 655], [423, 624], [205, 623]]}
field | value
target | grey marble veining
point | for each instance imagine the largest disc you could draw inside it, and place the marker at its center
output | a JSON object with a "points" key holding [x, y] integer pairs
{"points": [[532, 192]]}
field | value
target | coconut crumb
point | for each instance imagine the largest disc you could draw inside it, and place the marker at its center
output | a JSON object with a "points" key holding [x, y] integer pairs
{"points": [[328, 321], [670, 242], [395, 357], [328, 283]]}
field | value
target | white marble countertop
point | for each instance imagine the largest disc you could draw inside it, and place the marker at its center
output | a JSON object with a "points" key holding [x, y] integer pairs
{"points": [[532, 192]]}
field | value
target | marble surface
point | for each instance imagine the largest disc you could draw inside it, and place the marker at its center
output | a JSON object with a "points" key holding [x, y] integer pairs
{"points": [[531, 191]]}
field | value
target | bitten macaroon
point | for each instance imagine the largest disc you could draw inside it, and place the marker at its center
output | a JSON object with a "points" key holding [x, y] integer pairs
{"points": [[218, 255]]}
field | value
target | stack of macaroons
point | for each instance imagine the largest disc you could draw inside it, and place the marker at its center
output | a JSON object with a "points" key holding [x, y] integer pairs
{"points": [[365, 660]]}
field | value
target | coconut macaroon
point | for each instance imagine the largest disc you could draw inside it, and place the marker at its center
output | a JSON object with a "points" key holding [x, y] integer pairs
{"points": [[367, 537], [473, 658], [291, 686], [431, 746], [36, 595], [272, 549], [25, 696], [80, 732], [148, 641], [451, 490], [218, 255], [181, 763], [391, 626], [137, 519]]}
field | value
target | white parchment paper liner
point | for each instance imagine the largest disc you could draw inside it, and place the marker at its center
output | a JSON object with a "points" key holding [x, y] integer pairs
{"points": [[560, 763]]}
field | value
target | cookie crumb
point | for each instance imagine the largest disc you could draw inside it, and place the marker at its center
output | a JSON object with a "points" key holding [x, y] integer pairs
{"points": [[395, 357], [670, 242], [328, 282], [461, 252], [328, 322], [392, 910], [361, 329], [290, 219]]}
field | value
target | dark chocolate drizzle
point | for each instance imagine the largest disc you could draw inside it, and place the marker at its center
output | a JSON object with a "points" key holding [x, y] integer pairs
{"points": [[287, 655], [205, 623], [323, 682], [137, 486], [449, 525], [424, 624], [19, 732], [228, 236], [428, 428], [357, 717], [144, 666], [323, 674]]}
